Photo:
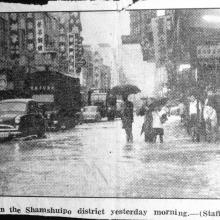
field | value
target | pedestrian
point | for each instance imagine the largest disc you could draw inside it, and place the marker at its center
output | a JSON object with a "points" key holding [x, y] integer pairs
{"points": [[193, 117], [182, 111], [159, 117], [211, 121], [148, 120], [127, 118]]}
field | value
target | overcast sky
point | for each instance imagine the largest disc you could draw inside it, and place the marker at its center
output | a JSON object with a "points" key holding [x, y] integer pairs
{"points": [[104, 27]]}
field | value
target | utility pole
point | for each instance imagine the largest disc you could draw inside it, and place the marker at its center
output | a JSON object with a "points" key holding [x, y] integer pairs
{"points": [[197, 105], [74, 54]]}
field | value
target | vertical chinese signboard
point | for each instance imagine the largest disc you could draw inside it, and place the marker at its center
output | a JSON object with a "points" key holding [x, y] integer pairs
{"points": [[30, 33], [71, 53], [39, 24], [14, 36], [73, 38], [208, 58], [146, 39], [160, 39], [62, 47], [74, 22]]}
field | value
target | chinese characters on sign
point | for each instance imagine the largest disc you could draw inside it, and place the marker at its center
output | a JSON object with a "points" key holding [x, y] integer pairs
{"points": [[62, 46], [71, 53], [208, 51], [74, 22], [30, 37], [39, 35], [75, 49], [14, 36], [160, 39]]}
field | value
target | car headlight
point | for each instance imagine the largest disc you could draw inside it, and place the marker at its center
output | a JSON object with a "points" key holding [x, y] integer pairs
{"points": [[18, 119]]}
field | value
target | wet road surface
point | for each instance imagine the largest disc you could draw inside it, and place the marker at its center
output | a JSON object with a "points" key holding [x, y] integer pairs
{"points": [[94, 160]]}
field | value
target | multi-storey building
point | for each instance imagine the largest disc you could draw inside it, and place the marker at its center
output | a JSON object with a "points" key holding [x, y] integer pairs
{"points": [[109, 59], [87, 70], [196, 46], [101, 73], [47, 41], [97, 62], [105, 78], [28, 42], [149, 35], [141, 32]]}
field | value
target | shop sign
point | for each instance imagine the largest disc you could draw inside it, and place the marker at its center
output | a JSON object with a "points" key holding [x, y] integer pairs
{"points": [[159, 27], [30, 33], [14, 36], [208, 51], [39, 35]]}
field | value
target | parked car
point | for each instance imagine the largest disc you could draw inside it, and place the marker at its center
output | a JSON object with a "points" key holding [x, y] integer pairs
{"points": [[91, 113], [20, 117]]}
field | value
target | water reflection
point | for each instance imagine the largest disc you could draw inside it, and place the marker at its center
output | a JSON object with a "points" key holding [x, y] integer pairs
{"points": [[94, 160]]}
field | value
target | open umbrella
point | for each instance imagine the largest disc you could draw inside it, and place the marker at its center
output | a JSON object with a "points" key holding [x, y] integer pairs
{"points": [[158, 102], [126, 89], [144, 98]]}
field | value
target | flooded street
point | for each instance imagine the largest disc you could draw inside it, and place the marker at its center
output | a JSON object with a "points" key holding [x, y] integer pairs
{"points": [[93, 160]]}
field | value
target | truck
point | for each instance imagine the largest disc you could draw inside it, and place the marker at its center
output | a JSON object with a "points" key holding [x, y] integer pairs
{"points": [[111, 107], [98, 98], [105, 101], [59, 97]]}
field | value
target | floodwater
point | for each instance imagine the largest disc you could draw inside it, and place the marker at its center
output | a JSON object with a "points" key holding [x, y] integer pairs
{"points": [[93, 160]]}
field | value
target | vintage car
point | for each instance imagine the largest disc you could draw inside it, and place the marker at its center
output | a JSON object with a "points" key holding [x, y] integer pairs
{"points": [[20, 117], [91, 113]]}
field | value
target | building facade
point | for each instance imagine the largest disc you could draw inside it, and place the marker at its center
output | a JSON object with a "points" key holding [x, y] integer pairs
{"points": [[31, 42], [141, 32], [194, 61], [101, 73], [87, 70], [152, 33]]}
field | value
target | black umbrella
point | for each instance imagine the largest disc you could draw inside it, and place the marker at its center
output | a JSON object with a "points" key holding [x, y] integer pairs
{"points": [[125, 90], [158, 102]]}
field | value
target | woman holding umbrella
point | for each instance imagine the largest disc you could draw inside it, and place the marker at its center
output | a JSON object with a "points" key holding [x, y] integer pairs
{"points": [[146, 111], [159, 118]]}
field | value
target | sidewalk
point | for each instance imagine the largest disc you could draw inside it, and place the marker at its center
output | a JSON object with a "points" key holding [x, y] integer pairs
{"points": [[175, 130]]}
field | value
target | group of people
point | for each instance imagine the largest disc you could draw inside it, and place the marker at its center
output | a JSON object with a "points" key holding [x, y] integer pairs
{"points": [[154, 118], [156, 115], [207, 114]]}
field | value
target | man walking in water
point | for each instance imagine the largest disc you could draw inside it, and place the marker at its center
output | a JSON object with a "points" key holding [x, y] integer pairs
{"points": [[127, 118]]}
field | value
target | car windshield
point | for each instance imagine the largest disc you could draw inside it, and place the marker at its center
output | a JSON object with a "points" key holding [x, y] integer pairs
{"points": [[12, 107], [90, 109]]}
